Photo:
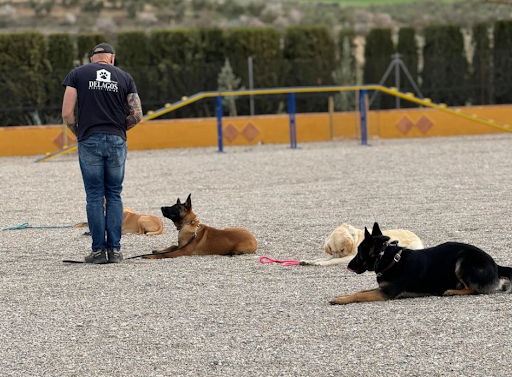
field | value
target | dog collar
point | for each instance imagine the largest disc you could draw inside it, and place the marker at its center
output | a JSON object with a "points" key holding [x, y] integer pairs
{"points": [[189, 223], [395, 260]]}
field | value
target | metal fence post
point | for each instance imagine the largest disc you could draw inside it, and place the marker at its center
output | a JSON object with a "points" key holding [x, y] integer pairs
{"points": [[363, 102], [218, 103], [293, 127], [331, 117], [251, 84]]}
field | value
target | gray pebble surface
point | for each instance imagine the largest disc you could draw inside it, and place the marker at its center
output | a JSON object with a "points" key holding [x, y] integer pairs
{"points": [[233, 316]]}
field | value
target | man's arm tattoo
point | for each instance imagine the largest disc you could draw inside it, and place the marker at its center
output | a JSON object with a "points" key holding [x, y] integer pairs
{"points": [[73, 127], [135, 111]]}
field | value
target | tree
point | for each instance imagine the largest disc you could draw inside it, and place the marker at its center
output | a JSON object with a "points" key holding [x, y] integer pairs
{"points": [[228, 81], [42, 6], [172, 9], [92, 6], [345, 73], [132, 7]]}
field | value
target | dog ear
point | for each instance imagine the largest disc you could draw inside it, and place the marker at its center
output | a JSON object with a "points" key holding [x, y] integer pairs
{"points": [[366, 233], [376, 230], [178, 201], [188, 203]]}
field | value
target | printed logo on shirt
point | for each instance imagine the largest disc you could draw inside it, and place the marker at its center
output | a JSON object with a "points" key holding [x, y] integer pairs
{"points": [[103, 75], [103, 82]]}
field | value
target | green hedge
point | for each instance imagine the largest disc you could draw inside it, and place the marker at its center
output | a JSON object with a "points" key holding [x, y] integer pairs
{"points": [[132, 49], [176, 46], [134, 55], [377, 56], [178, 57], [213, 44], [85, 43], [263, 45], [24, 70], [169, 64], [61, 51], [310, 51], [408, 48], [482, 66], [445, 65], [502, 62], [60, 55]]}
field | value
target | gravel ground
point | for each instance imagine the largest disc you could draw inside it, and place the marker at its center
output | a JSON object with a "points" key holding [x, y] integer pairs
{"points": [[223, 316]]}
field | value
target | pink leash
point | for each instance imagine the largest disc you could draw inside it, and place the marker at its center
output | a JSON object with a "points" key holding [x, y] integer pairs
{"points": [[287, 262]]}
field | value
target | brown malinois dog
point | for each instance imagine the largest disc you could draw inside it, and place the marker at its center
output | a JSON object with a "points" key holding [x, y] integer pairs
{"points": [[195, 238], [134, 223]]}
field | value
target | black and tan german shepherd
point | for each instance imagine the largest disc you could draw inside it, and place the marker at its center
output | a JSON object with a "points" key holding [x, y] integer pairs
{"points": [[451, 268]]}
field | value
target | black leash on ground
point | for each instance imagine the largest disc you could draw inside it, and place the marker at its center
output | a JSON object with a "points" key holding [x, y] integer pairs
{"points": [[166, 252], [146, 255], [72, 261]]}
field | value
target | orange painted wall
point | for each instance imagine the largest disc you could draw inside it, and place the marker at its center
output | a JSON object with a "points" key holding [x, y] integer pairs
{"points": [[269, 129]]}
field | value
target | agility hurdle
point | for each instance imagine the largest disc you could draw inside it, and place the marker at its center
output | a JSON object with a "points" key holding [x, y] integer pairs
{"points": [[362, 109]]}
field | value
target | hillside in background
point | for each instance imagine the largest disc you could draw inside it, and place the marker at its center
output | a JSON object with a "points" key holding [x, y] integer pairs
{"points": [[111, 16]]}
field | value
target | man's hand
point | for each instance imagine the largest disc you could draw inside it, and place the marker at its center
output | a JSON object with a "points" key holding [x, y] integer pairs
{"points": [[73, 127], [135, 111]]}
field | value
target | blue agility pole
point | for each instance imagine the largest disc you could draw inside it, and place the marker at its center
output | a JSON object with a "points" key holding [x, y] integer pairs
{"points": [[218, 107], [363, 98], [293, 126]]}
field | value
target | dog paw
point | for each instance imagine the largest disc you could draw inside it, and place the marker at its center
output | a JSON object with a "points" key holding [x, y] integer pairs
{"points": [[340, 300], [505, 285]]}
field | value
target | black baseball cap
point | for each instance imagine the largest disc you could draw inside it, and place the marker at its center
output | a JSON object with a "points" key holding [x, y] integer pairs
{"points": [[103, 48]]}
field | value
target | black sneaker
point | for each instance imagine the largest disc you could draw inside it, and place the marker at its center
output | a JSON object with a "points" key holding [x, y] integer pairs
{"points": [[114, 256], [97, 257]]}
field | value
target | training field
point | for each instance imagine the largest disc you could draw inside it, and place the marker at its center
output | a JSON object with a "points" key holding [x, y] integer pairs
{"points": [[232, 316]]}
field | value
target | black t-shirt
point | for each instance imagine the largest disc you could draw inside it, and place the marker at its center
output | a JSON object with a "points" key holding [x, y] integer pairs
{"points": [[102, 90]]}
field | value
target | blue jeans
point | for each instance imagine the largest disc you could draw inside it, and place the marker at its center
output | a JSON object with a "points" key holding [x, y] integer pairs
{"points": [[102, 159]]}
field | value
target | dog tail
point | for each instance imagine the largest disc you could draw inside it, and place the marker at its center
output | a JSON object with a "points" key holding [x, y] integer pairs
{"points": [[505, 273], [80, 225]]}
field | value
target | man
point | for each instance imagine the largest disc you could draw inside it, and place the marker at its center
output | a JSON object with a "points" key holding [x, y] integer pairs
{"points": [[103, 92]]}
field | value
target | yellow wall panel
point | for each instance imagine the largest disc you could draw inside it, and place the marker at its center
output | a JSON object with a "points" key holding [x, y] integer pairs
{"points": [[268, 129]]}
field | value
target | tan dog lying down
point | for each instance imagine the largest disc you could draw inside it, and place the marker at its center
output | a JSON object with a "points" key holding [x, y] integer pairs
{"points": [[134, 223], [342, 244]]}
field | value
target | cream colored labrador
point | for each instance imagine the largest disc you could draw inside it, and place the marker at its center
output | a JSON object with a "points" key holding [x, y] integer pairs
{"points": [[342, 244]]}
